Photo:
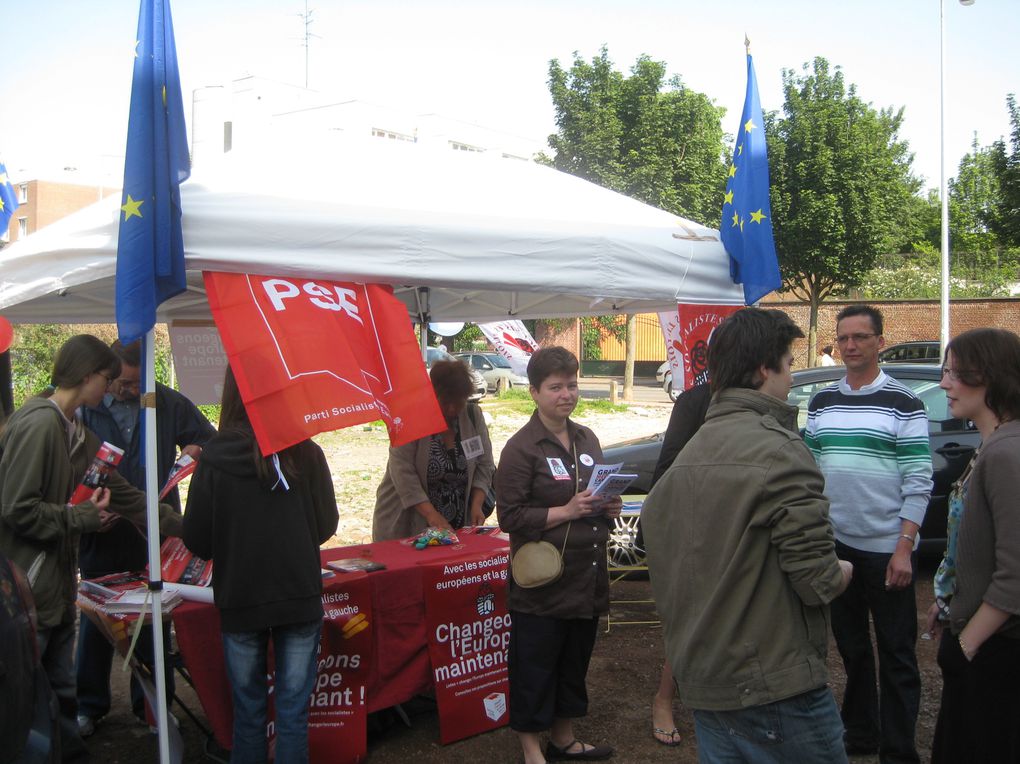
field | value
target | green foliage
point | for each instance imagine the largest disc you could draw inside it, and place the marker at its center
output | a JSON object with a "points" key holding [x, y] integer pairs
{"points": [[1005, 222], [655, 140], [35, 345], [919, 277], [594, 328], [840, 180]]}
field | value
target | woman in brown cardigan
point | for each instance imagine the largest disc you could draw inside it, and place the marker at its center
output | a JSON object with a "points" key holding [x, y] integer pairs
{"points": [[977, 585], [440, 480]]}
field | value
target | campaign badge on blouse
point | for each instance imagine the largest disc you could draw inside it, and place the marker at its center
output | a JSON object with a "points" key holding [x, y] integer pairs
{"points": [[586, 460], [556, 468], [472, 447]]}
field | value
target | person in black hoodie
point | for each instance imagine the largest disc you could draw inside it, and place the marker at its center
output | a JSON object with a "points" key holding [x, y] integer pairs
{"points": [[261, 520]]}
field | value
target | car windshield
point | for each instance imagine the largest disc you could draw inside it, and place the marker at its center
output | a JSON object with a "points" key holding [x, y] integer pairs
{"points": [[498, 361]]}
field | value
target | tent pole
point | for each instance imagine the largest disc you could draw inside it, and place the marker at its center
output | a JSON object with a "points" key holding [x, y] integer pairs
{"points": [[152, 535]]}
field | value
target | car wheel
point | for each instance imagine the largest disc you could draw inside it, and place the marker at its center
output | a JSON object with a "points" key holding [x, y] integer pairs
{"points": [[668, 386], [623, 549]]}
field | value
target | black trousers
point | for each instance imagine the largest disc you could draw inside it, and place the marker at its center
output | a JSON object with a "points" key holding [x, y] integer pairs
{"points": [[979, 718], [548, 663]]}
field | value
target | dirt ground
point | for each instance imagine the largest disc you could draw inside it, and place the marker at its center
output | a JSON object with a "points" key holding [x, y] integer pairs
{"points": [[624, 670]]}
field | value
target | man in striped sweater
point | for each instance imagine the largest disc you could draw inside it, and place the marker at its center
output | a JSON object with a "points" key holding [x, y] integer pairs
{"points": [[869, 434]]}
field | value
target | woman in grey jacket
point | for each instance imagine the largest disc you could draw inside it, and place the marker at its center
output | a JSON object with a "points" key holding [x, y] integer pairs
{"points": [[440, 480], [978, 583]]}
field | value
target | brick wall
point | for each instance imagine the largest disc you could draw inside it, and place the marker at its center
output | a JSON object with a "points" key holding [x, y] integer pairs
{"points": [[905, 320]]}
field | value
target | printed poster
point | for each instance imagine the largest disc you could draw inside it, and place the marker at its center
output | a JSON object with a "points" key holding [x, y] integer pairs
{"points": [[469, 639], [338, 716], [513, 341], [686, 333]]}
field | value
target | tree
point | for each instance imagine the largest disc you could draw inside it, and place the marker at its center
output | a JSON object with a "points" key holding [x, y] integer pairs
{"points": [[656, 141], [652, 139], [1006, 163], [840, 181]]}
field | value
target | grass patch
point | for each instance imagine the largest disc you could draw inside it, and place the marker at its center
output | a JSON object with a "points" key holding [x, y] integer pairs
{"points": [[518, 401]]}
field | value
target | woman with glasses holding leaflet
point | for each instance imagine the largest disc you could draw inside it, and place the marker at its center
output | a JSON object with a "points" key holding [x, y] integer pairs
{"points": [[977, 586]]}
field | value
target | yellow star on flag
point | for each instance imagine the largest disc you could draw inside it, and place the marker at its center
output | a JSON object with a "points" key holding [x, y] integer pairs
{"points": [[728, 198], [736, 219], [733, 170], [3, 179], [741, 225], [1, 205], [749, 126], [131, 206], [740, 149], [757, 217]]}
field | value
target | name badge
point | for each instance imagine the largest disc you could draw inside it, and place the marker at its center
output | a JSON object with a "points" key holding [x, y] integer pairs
{"points": [[556, 468], [472, 447]]}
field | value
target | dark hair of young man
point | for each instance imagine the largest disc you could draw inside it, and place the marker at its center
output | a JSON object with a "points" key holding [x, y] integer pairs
{"points": [[990, 357], [548, 361], [746, 341], [863, 310]]}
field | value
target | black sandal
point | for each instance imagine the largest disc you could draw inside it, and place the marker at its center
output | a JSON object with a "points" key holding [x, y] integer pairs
{"points": [[587, 753]]}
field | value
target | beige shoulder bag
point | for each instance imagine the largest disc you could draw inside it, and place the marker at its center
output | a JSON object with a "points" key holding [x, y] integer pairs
{"points": [[539, 563]]}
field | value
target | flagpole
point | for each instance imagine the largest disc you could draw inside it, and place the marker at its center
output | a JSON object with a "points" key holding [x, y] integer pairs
{"points": [[152, 523]]}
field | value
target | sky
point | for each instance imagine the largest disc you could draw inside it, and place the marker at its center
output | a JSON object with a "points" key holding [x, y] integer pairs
{"points": [[66, 64]]}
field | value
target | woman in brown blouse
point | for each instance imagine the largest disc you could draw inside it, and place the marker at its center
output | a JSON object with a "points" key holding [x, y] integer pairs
{"points": [[440, 480], [539, 483], [978, 583]]}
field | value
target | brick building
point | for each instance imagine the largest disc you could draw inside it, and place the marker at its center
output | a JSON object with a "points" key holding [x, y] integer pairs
{"points": [[41, 202]]}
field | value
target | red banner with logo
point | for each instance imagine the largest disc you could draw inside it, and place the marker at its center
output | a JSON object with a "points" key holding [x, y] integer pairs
{"points": [[686, 334], [469, 638], [338, 717], [312, 356]]}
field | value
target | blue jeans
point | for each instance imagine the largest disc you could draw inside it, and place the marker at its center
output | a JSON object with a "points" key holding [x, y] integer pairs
{"points": [[94, 660], [885, 717], [295, 647], [801, 730]]}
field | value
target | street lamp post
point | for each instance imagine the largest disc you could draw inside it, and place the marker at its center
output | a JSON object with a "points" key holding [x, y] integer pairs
{"points": [[944, 189]]}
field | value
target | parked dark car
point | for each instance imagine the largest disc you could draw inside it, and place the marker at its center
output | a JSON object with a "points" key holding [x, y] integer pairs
{"points": [[921, 351], [952, 442]]}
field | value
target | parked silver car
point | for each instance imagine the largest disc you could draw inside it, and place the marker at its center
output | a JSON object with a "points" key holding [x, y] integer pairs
{"points": [[664, 376], [493, 367], [436, 354]]}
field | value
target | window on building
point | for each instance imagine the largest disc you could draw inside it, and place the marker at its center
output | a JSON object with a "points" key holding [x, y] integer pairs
{"points": [[22, 227], [379, 132], [458, 146], [22, 193]]}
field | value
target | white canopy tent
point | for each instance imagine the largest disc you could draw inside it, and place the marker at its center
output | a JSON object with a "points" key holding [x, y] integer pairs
{"points": [[491, 238]]}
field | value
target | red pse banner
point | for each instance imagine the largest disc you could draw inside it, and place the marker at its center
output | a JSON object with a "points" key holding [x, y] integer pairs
{"points": [[314, 356], [469, 636], [686, 334], [338, 718]]}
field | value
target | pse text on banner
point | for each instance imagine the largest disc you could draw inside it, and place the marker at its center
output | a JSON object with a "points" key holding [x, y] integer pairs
{"points": [[312, 356], [469, 638]]}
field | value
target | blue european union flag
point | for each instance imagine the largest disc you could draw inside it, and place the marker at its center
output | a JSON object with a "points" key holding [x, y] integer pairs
{"points": [[150, 250], [746, 227], [8, 199]]}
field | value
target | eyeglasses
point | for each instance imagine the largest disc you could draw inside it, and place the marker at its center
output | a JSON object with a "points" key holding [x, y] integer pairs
{"points": [[857, 338], [130, 384], [109, 380], [955, 374]]}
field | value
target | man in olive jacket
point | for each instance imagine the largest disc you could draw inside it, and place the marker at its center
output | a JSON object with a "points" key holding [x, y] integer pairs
{"points": [[742, 560]]}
